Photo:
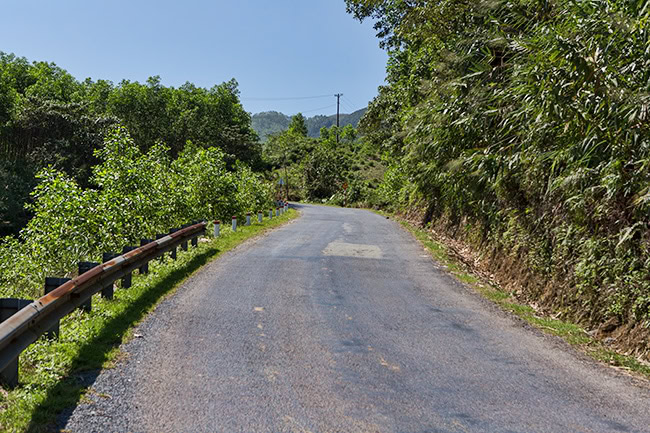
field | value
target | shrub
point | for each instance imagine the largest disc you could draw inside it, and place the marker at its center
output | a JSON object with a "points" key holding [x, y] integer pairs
{"points": [[136, 195]]}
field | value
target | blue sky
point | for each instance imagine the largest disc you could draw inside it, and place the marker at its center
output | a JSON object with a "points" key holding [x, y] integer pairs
{"points": [[274, 48]]}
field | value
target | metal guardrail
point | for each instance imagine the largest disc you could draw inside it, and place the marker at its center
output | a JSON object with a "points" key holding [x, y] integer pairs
{"points": [[42, 315]]}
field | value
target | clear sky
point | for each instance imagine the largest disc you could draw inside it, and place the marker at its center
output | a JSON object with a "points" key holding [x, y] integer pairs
{"points": [[273, 48]]}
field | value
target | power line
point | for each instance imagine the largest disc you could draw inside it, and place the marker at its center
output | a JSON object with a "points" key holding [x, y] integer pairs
{"points": [[350, 104], [288, 98], [317, 109], [347, 106]]}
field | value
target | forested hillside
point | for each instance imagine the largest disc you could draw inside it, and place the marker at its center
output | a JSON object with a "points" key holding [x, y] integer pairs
{"points": [[271, 122], [49, 118], [522, 128], [315, 123]]}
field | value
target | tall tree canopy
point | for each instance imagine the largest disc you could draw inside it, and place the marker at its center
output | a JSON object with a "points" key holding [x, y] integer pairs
{"points": [[47, 117], [298, 125]]}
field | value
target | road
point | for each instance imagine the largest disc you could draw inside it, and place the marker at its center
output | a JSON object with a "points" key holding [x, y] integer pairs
{"points": [[341, 322]]}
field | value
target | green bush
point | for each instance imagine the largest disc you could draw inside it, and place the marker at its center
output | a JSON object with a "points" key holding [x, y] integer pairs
{"points": [[136, 195], [324, 172]]}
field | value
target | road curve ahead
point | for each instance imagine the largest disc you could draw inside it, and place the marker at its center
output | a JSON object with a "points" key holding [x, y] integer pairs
{"points": [[340, 322]]}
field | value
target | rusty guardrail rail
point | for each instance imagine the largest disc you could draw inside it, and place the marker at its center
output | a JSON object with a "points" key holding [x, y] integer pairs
{"points": [[42, 315]]}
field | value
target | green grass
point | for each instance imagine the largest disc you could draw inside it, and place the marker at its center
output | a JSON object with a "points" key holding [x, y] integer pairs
{"points": [[51, 371], [570, 332]]}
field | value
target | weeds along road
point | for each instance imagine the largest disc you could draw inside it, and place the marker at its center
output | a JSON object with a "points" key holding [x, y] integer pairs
{"points": [[340, 322]]}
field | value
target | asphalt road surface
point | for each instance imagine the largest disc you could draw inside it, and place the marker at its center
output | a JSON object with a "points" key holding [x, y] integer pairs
{"points": [[341, 322]]}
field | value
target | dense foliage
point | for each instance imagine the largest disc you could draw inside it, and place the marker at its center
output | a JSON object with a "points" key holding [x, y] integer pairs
{"points": [[133, 195], [323, 169], [47, 117], [526, 124]]}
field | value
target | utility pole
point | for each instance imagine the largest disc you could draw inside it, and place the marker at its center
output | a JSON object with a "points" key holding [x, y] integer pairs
{"points": [[286, 174], [338, 103]]}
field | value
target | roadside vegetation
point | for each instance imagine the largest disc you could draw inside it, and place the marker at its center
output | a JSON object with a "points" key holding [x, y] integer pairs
{"points": [[521, 128], [90, 167], [323, 169], [48, 118], [133, 195], [468, 273], [56, 374]]}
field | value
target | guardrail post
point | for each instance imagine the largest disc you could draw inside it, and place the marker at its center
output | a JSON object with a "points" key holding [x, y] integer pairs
{"points": [[184, 243], [21, 328], [9, 307], [127, 279], [51, 284], [259, 217], [248, 218], [195, 241], [277, 211], [270, 213], [88, 305], [173, 249], [286, 206], [217, 228], [160, 236], [144, 269], [234, 224], [107, 292]]}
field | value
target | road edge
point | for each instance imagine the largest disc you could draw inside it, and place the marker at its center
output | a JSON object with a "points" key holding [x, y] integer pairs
{"points": [[574, 338], [38, 401]]}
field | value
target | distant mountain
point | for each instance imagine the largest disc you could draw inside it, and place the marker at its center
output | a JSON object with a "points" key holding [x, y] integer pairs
{"points": [[270, 122]]}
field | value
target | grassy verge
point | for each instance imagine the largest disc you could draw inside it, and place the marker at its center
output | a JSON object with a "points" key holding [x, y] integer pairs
{"points": [[570, 332], [55, 374]]}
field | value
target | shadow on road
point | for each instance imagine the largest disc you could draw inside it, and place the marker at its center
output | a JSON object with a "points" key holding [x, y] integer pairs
{"points": [[92, 355]]}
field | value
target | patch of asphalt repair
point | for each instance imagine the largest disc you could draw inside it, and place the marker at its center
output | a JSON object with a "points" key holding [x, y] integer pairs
{"points": [[339, 323]]}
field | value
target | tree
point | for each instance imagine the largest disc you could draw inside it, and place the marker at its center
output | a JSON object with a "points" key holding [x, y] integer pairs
{"points": [[324, 171], [47, 117], [349, 134], [298, 125], [324, 133], [278, 146]]}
